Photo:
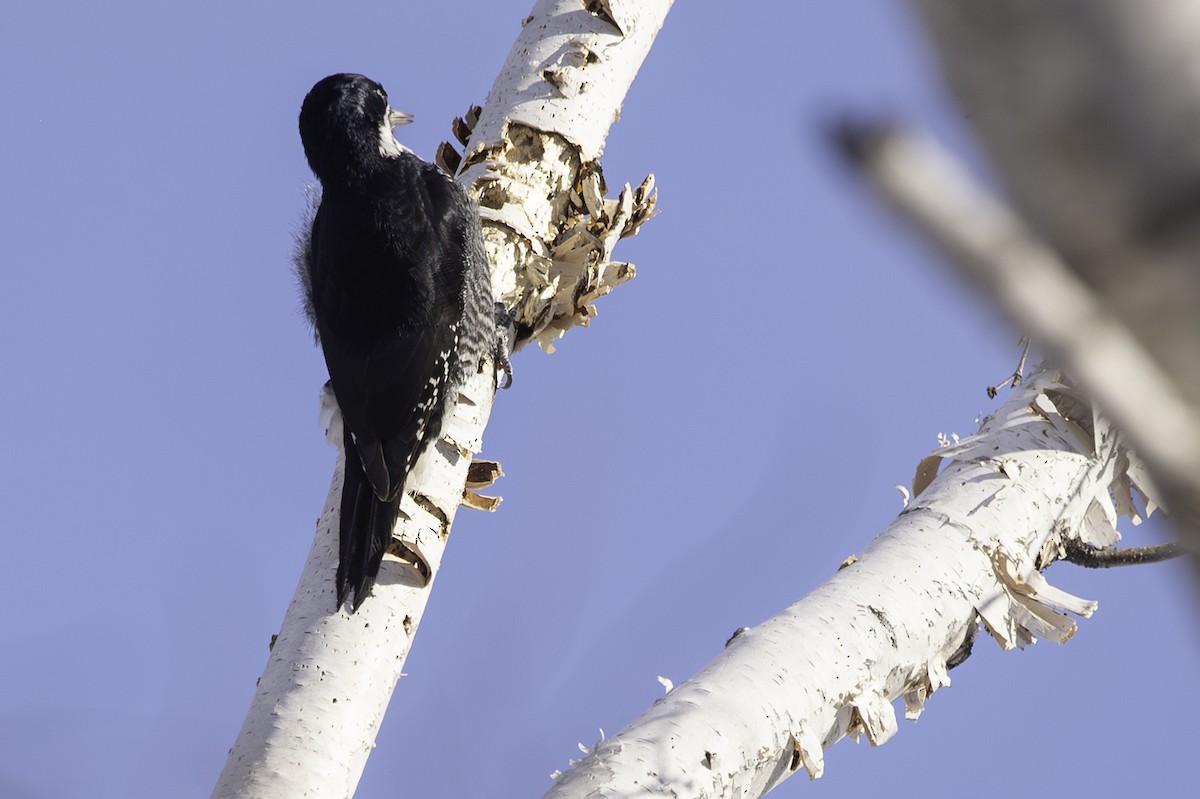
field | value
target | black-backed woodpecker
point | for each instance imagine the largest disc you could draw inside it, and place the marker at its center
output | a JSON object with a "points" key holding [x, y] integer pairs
{"points": [[397, 286]]}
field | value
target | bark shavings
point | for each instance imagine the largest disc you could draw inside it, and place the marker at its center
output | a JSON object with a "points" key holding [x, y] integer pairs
{"points": [[564, 249], [1027, 606], [603, 10], [567, 75], [462, 127], [873, 715], [927, 469], [806, 750], [447, 158], [414, 564], [483, 473], [481, 502], [736, 633], [936, 676]]}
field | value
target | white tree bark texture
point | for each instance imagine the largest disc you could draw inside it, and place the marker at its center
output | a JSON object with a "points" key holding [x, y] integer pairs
{"points": [[533, 158], [549, 232], [1089, 111], [969, 547]]}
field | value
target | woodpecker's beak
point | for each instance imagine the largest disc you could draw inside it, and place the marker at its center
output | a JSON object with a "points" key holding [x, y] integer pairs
{"points": [[397, 118]]}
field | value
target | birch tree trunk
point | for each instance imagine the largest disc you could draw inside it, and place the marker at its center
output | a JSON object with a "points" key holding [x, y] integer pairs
{"points": [[892, 621], [532, 164]]}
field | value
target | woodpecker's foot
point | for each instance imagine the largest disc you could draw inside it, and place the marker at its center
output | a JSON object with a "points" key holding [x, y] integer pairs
{"points": [[506, 367], [504, 324]]}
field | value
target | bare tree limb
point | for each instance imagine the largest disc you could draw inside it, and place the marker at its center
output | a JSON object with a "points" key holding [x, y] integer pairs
{"points": [[894, 619], [549, 232], [1091, 557]]}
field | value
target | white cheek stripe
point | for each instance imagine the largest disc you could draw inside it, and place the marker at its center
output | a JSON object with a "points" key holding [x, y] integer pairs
{"points": [[388, 146]]}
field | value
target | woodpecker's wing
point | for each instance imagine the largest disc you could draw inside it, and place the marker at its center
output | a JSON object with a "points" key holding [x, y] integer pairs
{"points": [[387, 282], [387, 403]]}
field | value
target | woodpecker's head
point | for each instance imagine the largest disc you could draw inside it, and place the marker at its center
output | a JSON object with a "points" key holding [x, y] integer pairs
{"points": [[346, 126]]}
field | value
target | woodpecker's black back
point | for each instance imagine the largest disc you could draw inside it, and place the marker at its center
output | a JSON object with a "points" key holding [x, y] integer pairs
{"points": [[398, 288]]}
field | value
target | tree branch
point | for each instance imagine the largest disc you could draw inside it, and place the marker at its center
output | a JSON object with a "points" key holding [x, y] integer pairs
{"points": [[1091, 557], [549, 232], [893, 621]]}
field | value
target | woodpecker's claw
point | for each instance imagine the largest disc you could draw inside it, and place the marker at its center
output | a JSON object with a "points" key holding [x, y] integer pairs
{"points": [[506, 367]]}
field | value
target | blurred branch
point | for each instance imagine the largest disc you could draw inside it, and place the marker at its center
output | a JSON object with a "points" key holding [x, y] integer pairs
{"points": [[1030, 282], [1089, 111]]}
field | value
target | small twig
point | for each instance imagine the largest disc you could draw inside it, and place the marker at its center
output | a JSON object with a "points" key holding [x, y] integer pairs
{"points": [[1015, 378], [1090, 557]]}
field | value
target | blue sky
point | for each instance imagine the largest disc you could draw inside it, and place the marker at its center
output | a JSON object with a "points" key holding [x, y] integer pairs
{"points": [[727, 431]]}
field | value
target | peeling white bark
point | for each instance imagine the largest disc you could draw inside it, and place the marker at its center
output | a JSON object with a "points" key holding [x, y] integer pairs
{"points": [[330, 675], [549, 233], [533, 158], [886, 625], [570, 69]]}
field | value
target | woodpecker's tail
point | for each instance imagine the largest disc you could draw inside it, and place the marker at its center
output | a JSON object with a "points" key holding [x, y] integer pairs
{"points": [[365, 529]]}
